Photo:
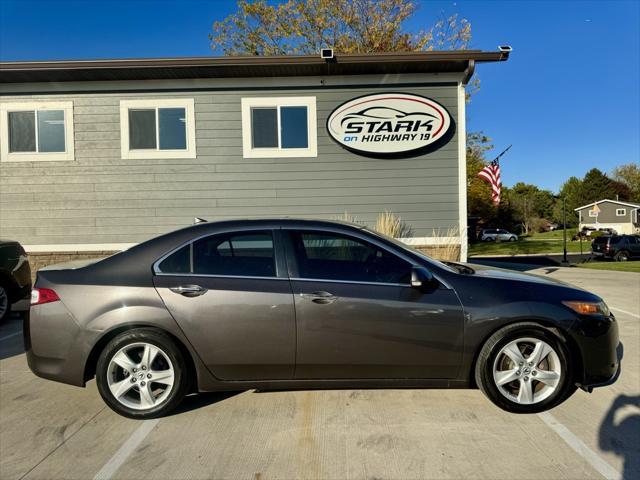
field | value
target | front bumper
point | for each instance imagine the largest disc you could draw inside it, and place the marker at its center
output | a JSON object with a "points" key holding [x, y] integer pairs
{"points": [[599, 346]]}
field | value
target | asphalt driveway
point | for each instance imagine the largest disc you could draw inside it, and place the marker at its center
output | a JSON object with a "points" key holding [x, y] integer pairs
{"points": [[50, 430]]}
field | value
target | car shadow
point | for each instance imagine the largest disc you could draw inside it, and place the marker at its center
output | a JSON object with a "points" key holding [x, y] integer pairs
{"points": [[622, 435], [196, 401]]}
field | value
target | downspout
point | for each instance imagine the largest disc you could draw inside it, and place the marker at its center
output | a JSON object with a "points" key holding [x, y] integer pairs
{"points": [[469, 71]]}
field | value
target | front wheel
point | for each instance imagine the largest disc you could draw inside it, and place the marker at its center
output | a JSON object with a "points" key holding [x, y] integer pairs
{"points": [[142, 374], [512, 239], [524, 368]]}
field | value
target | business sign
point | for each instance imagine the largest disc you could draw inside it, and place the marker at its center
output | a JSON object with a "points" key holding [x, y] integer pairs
{"points": [[390, 125]]}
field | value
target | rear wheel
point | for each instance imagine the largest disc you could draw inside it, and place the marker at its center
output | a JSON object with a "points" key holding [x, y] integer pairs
{"points": [[524, 368], [5, 304], [621, 256], [142, 374], [512, 239]]}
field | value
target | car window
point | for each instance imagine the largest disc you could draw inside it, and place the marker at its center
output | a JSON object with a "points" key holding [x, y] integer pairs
{"points": [[633, 240], [333, 256], [178, 262], [236, 254]]}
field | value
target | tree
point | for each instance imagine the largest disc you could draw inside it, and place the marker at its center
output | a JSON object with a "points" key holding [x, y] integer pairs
{"points": [[571, 191], [298, 27], [531, 205], [629, 174], [479, 202], [598, 186]]}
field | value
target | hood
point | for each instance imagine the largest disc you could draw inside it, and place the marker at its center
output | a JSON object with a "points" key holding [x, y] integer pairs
{"points": [[501, 273]]}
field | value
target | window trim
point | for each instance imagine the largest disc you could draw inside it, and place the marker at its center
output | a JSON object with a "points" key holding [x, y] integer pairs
{"points": [[623, 210], [190, 129], [7, 156], [294, 270], [248, 103], [274, 236]]}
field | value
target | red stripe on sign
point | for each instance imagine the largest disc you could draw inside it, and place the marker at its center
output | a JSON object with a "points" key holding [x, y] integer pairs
{"points": [[402, 98]]}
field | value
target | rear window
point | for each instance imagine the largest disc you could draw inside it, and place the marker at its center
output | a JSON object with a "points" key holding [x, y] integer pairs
{"points": [[177, 262], [241, 254], [604, 240], [248, 254]]}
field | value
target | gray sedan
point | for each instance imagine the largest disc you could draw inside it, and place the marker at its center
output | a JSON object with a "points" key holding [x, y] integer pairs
{"points": [[290, 304]]}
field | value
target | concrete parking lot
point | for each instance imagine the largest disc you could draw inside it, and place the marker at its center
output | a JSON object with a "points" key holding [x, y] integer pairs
{"points": [[49, 430]]}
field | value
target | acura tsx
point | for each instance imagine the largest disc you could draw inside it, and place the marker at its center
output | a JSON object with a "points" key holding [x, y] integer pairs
{"points": [[295, 304]]}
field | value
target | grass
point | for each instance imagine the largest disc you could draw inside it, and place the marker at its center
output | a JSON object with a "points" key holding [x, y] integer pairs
{"points": [[631, 266], [537, 243]]}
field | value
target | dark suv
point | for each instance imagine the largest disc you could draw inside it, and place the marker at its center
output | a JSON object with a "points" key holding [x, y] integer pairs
{"points": [[617, 247], [15, 275]]}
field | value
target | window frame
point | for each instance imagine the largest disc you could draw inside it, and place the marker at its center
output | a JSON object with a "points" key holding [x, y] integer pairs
{"points": [[35, 106], [154, 104], [247, 103], [278, 254], [292, 261], [623, 210]]}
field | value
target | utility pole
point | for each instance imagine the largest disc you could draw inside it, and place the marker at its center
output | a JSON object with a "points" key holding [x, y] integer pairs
{"points": [[564, 229]]}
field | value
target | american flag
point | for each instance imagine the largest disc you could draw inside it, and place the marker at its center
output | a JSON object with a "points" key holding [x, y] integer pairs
{"points": [[491, 175]]}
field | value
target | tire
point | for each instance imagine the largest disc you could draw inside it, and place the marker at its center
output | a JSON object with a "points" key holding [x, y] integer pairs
{"points": [[621, 256], [488, 239], [167, 365], [508, 396], [5, 304], [512, 239]]}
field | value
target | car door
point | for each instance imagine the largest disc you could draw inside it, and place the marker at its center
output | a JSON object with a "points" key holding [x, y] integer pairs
{"points": [[633, 243], [230, 294], [358, 317]]}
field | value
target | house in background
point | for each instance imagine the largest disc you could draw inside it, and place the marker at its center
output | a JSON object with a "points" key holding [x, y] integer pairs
{"points": [[620, 216]]}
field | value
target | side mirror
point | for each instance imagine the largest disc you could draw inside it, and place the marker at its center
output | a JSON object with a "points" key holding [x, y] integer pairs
{"points": [[421, 277]]}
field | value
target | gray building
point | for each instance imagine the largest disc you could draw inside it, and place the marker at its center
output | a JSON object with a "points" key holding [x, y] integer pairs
{"points": [[620, 216], [98, 155]]}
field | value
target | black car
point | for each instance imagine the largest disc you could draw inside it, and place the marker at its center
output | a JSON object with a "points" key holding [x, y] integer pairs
{"points": [[15, 275], [284, 304], [618, 247]]}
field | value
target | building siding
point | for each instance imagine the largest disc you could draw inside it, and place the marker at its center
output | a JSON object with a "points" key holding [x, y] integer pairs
{"points": [[101, 198], [607, 214]]}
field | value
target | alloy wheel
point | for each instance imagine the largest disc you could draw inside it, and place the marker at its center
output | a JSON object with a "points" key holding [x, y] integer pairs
{"points": [[527, 370], [140, 376]]}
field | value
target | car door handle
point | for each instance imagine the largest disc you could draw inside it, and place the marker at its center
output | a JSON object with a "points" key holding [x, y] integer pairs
{"points": [[320, 297], [189, 290]]}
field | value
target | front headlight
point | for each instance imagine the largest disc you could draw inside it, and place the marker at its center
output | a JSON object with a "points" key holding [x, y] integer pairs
{"points": [[588, 308]]}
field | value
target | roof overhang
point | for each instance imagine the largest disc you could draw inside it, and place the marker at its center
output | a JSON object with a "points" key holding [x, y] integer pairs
{"points": [[617, 202], [457, 61]]}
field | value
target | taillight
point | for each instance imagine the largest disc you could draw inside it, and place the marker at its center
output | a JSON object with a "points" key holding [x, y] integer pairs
{"points": [[43, 295]]}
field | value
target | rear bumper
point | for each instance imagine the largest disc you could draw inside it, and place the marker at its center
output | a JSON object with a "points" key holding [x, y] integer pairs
{"points": [[56, 347], [600, 350]]}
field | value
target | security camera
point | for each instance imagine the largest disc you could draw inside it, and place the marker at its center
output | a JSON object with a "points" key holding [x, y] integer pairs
{"points": [[326, 53], [505, 48]]}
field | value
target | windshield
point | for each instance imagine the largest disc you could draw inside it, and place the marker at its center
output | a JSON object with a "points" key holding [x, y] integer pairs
{"points": [[413, 250]]}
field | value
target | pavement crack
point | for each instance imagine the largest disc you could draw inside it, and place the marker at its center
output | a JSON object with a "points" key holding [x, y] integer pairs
{"points": [[62, 443]]}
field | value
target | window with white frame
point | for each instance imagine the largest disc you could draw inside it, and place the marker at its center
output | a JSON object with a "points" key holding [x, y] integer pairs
{"points": [[279, 127], [36, 131], [159, 128], [621, 212]]}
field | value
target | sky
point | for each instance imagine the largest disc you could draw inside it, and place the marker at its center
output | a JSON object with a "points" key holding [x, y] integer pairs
{"points": [[568, 99]]}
